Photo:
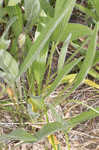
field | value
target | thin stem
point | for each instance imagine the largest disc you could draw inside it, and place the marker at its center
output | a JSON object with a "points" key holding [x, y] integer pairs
{"points": [[78, 49], [67, 141], [50, 61]]}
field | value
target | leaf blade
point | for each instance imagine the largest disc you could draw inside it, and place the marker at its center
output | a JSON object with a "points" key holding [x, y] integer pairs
{"points": [[85, 67], [41, 41]]}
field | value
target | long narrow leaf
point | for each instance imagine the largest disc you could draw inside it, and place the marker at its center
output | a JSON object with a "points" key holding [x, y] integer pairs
{"points": [[50, 128], [87, 11], [8, 64], [18, 134], [77, 31], [13, 2], [87, 64], [63, 53], [41, 40], [96, 2], [67, 68], [47, 8]]}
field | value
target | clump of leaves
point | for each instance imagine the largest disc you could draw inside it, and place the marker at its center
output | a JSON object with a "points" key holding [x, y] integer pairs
{"points": [[30, 58]]}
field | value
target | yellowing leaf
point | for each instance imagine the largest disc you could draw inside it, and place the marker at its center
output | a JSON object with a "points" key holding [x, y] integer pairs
{"points": [[34, 107], [10, 92], [36, 103], [91, 83], [70, 78], [56, 142], [13, 2], [21, 40]]}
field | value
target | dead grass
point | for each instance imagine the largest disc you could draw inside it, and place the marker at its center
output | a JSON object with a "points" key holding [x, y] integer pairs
{"points": [[83, 137]]}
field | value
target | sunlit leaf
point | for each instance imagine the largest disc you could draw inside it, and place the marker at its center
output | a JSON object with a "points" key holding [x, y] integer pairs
{"points": [[62, 54], [89, 58], [47, 8], [13, 2], [8, 64], [32, 8], [42, 40], [77, 31], [4, 44]]}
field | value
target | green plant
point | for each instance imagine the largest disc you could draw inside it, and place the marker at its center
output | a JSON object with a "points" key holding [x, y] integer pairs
{"points": [[31, 59]]}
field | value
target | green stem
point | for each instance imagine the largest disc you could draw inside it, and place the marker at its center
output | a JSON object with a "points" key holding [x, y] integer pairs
{"points": [[78, 49], [67, 140], [50, 62]]}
